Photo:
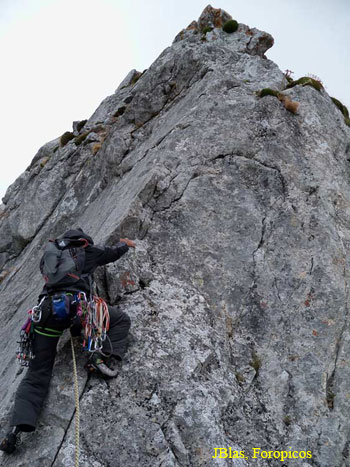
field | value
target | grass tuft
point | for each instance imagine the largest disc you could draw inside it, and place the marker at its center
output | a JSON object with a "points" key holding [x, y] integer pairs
{"points": [[96, 147]]}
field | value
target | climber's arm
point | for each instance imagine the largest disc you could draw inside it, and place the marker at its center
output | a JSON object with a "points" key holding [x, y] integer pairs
{"points": [[111, 254]]}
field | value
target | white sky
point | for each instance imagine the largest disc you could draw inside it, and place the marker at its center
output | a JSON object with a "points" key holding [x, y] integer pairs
{"points": [[61, 58]]}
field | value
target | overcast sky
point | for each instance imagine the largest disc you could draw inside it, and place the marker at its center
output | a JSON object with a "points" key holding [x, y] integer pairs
{"points": [[61, 58]]}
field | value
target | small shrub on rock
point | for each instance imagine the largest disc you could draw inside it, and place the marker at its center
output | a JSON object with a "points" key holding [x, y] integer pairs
{"points": [[207, 29], [79, 139], [230, 26], [66, 137]]}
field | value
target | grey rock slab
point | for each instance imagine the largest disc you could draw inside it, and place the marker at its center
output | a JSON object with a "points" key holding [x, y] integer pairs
{"points": [[128, 79], [238, 290]]}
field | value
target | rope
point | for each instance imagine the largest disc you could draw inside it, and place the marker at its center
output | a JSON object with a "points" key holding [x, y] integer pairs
{"points": [[77, 410]]}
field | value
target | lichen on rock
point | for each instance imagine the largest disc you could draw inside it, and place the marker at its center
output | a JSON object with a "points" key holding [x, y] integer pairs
{"points": [[238, 287]]}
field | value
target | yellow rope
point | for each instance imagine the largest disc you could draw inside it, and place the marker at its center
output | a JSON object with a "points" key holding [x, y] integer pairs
{"points": [[77, 411]]}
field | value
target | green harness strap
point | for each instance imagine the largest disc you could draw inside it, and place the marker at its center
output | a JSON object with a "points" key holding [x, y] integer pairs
{"points": [[53, 332]]}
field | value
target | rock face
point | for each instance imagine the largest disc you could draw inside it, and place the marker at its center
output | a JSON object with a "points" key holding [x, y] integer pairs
{"points": [[238, 289]]}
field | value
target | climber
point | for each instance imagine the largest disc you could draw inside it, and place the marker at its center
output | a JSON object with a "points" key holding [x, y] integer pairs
{"points": [[33, 389]]}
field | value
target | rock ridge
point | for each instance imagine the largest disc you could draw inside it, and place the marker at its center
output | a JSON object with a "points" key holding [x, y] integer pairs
{"points": [[238, 290]]}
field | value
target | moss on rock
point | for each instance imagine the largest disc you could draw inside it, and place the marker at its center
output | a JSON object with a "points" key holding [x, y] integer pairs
{"points": [[230, 26], [207, 29], [268, 92], [341, 107], [79, 139], [66, 137], [306, 81]]}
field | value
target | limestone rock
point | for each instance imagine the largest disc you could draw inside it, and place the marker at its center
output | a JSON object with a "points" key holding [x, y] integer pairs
{"points": [[213, 17], [238, 290], [130, 78]]}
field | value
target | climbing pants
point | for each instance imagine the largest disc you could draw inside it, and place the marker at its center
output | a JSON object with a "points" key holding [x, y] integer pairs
{"points": [[34, 387]]}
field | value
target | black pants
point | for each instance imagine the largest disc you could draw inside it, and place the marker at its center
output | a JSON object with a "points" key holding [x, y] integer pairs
{"points": [[34, 387]]}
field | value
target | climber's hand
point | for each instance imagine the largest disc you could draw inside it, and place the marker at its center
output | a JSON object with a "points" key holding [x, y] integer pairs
{"points": [[128, 242]]}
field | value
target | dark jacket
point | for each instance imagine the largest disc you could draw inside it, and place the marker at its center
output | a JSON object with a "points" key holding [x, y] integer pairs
{"points": [[94, 256]]}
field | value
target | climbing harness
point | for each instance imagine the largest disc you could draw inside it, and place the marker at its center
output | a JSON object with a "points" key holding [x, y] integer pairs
{"points": [[94, 317], [93, 314], [25, 351], [77, 408]]}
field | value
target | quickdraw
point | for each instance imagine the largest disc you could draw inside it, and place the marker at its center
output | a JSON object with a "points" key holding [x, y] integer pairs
{"points": [[94, 317], [25, 351]]}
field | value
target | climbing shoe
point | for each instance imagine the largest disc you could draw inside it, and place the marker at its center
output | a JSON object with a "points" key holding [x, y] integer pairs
{"points": [[9, 443], [97, 364]]}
